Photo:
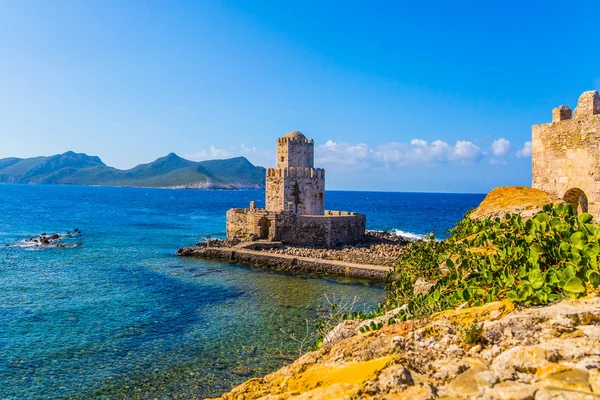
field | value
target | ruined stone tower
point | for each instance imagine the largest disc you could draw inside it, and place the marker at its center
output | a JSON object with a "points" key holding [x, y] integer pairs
{"points": [[294, 184], [566, 154], [294, 201]]}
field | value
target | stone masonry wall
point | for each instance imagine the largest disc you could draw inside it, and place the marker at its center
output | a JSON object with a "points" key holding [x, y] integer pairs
{"points": [[320, 231], [243, 222], [302, 189], [332, 229], [566, 154], [295, 151], [237, 222]]}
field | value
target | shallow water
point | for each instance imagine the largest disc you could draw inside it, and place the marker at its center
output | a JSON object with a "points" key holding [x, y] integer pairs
{"points": [[123, 317]]}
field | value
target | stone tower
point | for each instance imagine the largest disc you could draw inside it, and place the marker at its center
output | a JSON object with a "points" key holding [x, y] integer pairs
{"points": [[295, 185], [566, 154]]}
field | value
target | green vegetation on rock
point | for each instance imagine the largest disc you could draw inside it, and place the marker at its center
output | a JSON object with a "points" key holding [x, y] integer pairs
{"points": [[535, 261]]}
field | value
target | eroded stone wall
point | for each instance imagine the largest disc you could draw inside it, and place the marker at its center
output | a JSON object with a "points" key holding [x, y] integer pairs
{"points": [[320, 230], [242, 223], [333, 229], [237, 223], [566, 154]]}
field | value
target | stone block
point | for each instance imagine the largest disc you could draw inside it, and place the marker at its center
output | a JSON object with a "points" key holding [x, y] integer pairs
{"points": [[561, 113]]}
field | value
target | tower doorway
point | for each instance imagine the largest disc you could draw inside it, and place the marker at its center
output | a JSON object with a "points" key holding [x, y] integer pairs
{"points": [[577, 198], [264, 226]]}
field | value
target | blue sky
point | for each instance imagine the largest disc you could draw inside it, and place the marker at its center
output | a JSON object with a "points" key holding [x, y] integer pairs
{"points": [[399, 96]]}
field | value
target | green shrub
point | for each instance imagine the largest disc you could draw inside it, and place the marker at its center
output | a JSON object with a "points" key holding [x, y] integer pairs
{"points": [[472, 334], [536, 261]]}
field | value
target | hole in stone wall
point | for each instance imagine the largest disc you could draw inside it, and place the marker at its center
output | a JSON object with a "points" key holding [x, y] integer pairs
{"points": [[577, 198]]}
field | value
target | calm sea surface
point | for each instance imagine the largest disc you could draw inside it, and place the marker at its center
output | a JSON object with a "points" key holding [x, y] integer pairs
{"points": [[123, 317]]}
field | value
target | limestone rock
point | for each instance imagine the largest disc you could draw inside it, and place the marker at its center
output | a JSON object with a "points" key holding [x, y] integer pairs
{"points": [[511, 391], [428, 359], [574, 379], [471, 383], [561, 394]]}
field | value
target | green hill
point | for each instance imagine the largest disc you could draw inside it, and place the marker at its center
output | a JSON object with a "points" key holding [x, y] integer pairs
{"points": [[170, 171]]}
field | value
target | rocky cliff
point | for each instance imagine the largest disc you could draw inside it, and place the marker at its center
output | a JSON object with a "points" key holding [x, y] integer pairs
{"points": [[496, 351]]}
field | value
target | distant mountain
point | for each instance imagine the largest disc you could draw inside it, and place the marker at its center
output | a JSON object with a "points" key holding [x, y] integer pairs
{"points": [[170, 171]]}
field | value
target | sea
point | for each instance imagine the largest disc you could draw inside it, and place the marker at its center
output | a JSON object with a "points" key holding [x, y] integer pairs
{"points": [[115, 314]]}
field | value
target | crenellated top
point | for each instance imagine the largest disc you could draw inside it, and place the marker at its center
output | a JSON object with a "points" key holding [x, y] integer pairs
{"points": [[295, 150], [294, 172], [331, 213], [587, 105], [294, 136]]}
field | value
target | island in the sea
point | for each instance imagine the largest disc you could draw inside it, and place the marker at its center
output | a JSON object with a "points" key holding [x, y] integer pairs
{"points": [[170, 171]]}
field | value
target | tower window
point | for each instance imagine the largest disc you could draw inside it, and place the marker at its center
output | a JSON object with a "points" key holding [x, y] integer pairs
{"points": [[281, 158]]}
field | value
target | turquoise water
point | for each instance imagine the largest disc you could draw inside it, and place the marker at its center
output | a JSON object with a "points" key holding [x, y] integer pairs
{"points": [[123, 317]]}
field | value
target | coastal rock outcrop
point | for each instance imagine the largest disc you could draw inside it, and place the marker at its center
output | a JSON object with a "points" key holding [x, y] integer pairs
{"points": [[521, 200], [49, 240], [495, 351]]}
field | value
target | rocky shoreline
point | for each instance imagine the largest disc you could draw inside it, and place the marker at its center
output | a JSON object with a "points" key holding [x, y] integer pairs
{"points": [[495, 351], [378, 248], [375, 273]]}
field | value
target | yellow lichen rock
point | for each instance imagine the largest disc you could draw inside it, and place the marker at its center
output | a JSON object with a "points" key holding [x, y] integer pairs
{"points": [[513, 199], [465, 316], [546, 352]]}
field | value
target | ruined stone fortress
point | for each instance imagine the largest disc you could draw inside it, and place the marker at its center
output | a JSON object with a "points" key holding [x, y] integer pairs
{"points": [[294, 212], [566, 154]]}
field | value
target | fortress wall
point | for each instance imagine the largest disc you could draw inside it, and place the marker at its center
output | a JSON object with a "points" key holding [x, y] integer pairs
{"points": [[320, 230], [237, 222], [566, 154], [274, 191]]}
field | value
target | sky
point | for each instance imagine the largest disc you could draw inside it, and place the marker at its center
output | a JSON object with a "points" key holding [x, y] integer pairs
{"points": [[429, 96]]}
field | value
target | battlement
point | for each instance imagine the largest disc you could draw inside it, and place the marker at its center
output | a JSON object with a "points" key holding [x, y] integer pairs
{"points": [[284, 140], [587, 106], [561, 113], [566, 156], [330, 213], [293, 172]]}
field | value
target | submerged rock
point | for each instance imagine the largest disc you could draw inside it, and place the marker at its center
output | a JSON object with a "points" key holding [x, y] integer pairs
{"points": [[242, 370]]}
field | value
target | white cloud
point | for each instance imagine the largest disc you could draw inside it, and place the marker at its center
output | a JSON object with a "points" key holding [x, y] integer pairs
{"points": [[466, 152], [500, 147], [362, 156], [525, 151], [417, 152], [213, 153]]}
